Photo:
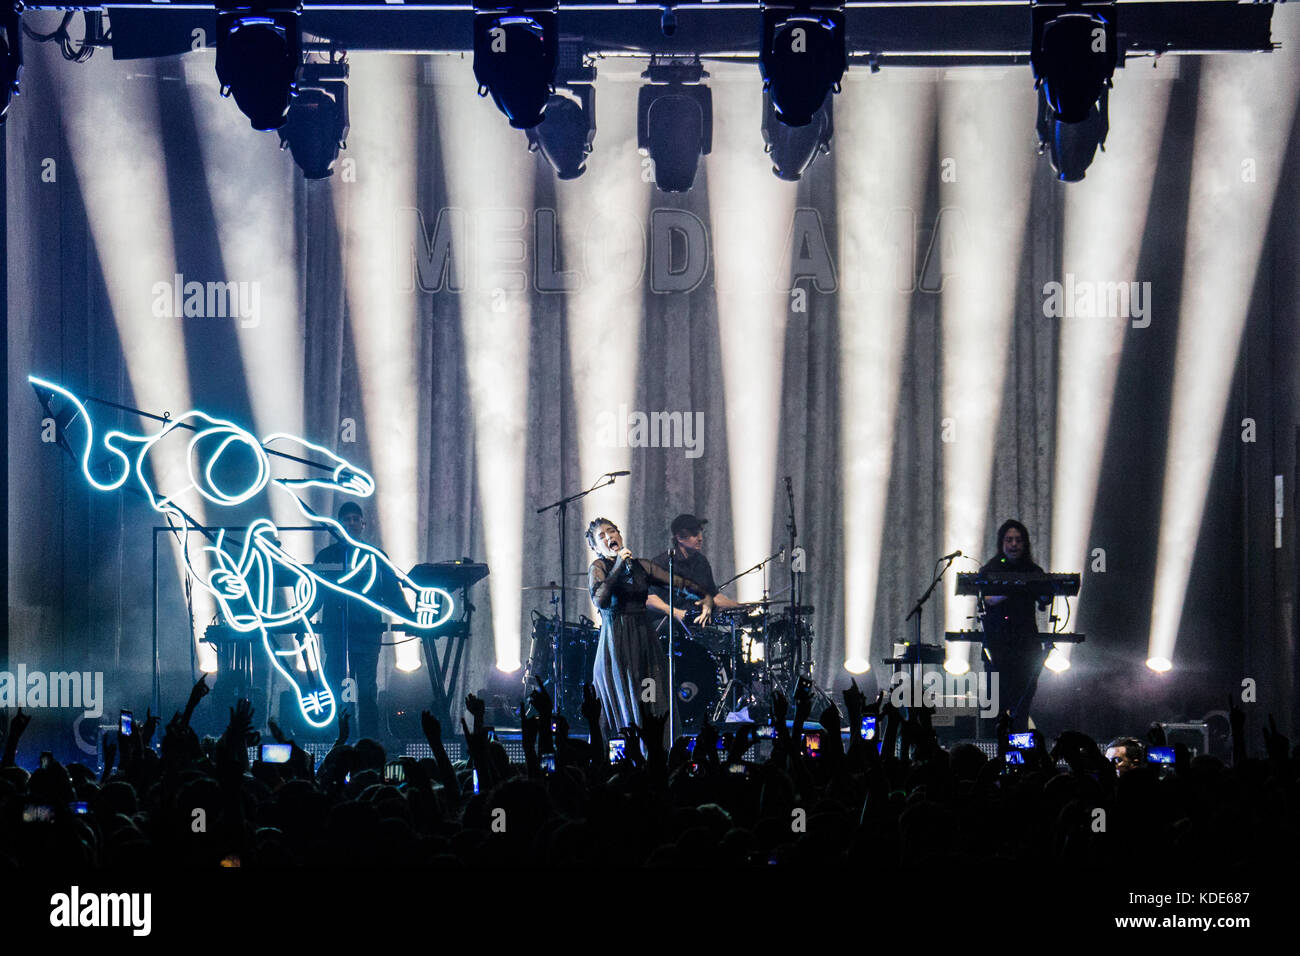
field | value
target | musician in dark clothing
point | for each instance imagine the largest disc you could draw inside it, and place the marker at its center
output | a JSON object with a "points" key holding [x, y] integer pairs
{"points": [[630, 662], [352, 632], [1011, 628], [689, 562]]}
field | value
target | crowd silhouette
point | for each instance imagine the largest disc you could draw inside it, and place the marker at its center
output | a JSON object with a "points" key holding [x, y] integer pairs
{"points": [[901, 800]]}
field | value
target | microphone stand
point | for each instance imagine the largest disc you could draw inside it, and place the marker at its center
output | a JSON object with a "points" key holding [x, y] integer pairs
{"points": [[916, 609], [557, 636], [672, 636], [796, 582], [735, 646]]}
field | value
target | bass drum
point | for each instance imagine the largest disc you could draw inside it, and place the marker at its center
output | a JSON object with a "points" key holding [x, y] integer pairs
{"points": [[697, 683], [579, 660]]}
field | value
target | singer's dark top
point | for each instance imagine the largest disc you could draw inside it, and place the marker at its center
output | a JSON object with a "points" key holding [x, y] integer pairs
{"points": [[627, 591], [695, 568]]}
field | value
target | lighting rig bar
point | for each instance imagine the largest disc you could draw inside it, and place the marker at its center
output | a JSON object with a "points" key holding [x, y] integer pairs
{"points": [[877, 32]]}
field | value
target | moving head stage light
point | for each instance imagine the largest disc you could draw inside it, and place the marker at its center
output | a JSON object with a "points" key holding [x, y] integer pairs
{"points": [[259, 51], [515, 53]]}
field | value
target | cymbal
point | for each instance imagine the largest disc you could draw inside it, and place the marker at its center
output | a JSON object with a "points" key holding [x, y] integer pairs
{"points": [[550, 587]]}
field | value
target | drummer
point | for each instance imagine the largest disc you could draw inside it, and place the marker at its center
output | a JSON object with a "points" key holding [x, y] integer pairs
{"points": [[688, 562]]}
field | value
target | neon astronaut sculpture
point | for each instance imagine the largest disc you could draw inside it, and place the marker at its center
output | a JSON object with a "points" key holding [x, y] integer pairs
{"points": [[256, 583]]}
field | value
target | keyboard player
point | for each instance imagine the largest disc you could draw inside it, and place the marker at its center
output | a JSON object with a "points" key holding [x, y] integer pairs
{"points": [[352, 631], [1011, 627]]}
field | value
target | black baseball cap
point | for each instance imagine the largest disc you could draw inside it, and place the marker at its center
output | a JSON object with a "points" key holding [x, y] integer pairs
{"points": [[688, 523], [349, 507]]}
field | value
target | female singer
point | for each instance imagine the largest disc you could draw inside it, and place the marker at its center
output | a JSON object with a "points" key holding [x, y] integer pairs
{"points": [[628, 653]]}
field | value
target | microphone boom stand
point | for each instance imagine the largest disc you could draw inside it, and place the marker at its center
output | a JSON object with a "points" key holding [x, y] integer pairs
{"points": [[557, 637]]}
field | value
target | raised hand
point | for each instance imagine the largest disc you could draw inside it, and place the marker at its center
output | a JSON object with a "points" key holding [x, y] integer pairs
{"points": [[276, 733], [240, 729], [855, 703], [739, 744], [883, 705], [1276, 744], [802, 700], [476, 708], [197, 693], [149, 728], [18, 725], [541, 700], [428, 723], [110, 753], [652, 728], [780, 707], [590, 705], [345, 726], [830, 720], [532, 730]]}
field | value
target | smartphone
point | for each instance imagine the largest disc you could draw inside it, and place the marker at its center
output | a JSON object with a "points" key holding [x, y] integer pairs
{"points": [[1014, 761], [276, 753], [491, 733], [124, 723], [618, 749], [720, 746], [548, 763], [812, 744], [79, 807], [739, 769], [766, 733], [37, 813], [394, 772], [1163, 756], [1025, 740], [47, 758], [804, 684], [869, 727], [474, 777]]}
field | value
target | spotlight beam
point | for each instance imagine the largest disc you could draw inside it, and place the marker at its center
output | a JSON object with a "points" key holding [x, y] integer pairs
{"points": [[1105, 220], [984, 120], [873, 315], [752, 212], [1244, 117]]}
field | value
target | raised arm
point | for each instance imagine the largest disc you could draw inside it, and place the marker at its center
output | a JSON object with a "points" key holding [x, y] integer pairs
{"points": [[660, 576]]}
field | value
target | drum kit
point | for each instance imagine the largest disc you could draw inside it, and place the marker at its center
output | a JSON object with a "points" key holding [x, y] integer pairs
{"points": [[728, 669]]}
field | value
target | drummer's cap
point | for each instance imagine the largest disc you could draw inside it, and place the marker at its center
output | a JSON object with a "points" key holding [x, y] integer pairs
{"points": [[349, 507], [688, 523]]}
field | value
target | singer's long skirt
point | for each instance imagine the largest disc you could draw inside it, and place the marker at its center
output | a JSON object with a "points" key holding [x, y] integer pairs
{"points": [[631, 667]]}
